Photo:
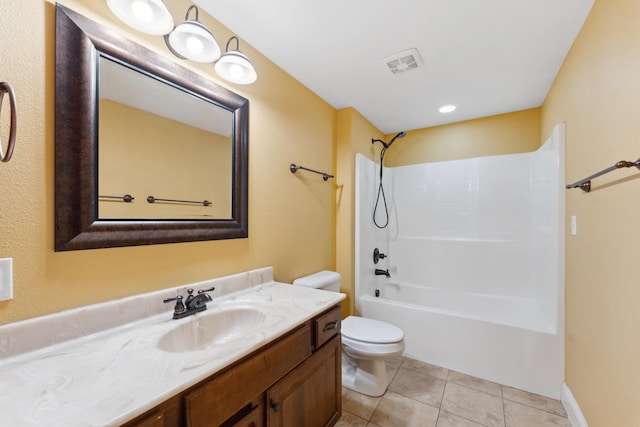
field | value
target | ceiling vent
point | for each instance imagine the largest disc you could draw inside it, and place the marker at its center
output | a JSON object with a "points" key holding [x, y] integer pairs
{"points": [[404, 61]]}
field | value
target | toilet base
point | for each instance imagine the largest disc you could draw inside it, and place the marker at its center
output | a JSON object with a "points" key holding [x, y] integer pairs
{"points": [[366, 376]]}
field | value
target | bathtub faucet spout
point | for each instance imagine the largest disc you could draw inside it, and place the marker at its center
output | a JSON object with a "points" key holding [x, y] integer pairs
{"points": [[380, 272]]}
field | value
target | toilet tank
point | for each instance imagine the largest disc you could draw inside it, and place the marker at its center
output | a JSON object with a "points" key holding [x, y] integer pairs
{"points": [[325, 279]]}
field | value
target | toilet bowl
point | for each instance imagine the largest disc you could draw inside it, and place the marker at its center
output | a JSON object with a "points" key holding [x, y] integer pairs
{"points": [[366, 343]]}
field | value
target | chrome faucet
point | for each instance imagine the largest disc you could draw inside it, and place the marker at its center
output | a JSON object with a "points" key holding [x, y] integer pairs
{"points": [[380, 272], [192, 305]]}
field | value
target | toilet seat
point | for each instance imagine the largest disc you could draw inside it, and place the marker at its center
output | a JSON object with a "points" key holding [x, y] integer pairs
{"points": [[367, 350], [370, 331]]}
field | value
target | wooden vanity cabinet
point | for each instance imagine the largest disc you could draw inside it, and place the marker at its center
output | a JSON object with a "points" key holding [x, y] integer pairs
{"points": [[292, 382], [310, 395]]}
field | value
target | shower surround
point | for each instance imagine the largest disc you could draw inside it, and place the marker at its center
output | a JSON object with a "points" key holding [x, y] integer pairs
{"points": [[475, 250]]}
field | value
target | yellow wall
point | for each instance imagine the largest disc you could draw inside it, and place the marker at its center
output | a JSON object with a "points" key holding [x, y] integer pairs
{"points": [[169, 159], [597, 94], [510, 133], [353, 136], [291, 217]]}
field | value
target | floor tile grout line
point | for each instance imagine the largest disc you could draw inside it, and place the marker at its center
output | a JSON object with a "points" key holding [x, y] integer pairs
{"points": [[478, 390], [409, 397], [535, 407], [504, 411], [376, 408], [464, 418]]}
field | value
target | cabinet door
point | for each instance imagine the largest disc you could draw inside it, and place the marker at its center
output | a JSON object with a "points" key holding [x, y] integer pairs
{"points": [[311, 395]]}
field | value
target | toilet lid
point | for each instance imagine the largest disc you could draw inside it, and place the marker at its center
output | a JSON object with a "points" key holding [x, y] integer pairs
{"points": [[370, 330]]}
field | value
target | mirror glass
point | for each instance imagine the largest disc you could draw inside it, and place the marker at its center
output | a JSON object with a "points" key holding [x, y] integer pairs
{"points": [[146, 151], [169, 150]]}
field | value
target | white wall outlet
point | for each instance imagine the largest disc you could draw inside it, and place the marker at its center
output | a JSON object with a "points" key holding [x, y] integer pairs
{"points": [[574, 225], [6, 278]]}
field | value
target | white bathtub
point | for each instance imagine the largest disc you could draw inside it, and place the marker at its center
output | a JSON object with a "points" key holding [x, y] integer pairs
{"points": [[475, 250], [505, 340], [503, 310]]}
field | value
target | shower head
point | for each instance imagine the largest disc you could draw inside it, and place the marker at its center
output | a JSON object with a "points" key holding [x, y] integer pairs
{"points": [[399, 135], [384, 144], [387, 145]]}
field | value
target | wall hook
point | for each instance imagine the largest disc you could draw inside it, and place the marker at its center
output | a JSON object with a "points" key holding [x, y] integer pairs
{"points": [[6, 88]]}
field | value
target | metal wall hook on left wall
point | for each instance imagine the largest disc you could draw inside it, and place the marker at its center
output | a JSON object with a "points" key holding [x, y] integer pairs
{"points": [[6, 88]]}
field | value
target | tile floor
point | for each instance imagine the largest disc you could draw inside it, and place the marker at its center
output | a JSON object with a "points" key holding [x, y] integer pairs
{"points": [[425, 395]]}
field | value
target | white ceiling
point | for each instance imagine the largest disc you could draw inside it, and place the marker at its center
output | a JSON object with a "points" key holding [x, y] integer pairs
{"points": [[485, 56], [130, 87]]}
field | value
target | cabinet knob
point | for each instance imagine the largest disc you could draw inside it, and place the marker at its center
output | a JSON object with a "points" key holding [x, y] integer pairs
{"points": [[275, 406]]}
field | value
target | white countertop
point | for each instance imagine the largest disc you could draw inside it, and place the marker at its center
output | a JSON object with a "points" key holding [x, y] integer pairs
{"points": [[110, 377]]}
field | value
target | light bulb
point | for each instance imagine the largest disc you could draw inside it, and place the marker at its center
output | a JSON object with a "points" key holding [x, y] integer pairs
{"points": [[195, 45], [142, 11], [236, 71]]}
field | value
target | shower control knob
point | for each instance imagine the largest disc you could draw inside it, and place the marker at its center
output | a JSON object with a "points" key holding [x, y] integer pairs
{"points": [[377, 255]]}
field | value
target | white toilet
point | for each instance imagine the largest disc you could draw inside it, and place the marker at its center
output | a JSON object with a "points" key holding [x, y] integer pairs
{"points": [[366, 343]]}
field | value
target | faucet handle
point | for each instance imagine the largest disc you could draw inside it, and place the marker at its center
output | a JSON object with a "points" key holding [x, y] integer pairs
{"points": [[205, 295], [179, 307], [178, 299]]}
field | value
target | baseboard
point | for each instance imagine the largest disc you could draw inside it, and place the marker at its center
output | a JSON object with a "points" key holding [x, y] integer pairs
{"points": [[571, 406]]}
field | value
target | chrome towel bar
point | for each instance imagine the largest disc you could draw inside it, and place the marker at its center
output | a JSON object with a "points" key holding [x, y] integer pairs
{"points": [[294, 168], [126, 198], [585, 184], [13, 124], [152, 199]]}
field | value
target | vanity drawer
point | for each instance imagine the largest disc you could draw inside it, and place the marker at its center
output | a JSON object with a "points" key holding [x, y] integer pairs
{"points": [[251, 415], [220, 398], [327, 325]]}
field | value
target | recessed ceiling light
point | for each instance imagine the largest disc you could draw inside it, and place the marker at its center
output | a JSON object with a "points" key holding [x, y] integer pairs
{"points": [[447, 109]]}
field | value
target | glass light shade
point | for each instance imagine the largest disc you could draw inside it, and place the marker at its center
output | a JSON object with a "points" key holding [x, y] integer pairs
{"points": [[235, 67], [147, 16], [191, 40]]}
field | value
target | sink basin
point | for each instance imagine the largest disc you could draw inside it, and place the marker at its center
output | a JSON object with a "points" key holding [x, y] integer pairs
{"points": [[209, 329]]}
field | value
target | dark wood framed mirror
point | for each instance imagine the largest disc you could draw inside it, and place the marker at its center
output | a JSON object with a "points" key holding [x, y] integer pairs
{"points": [[81, 45]]}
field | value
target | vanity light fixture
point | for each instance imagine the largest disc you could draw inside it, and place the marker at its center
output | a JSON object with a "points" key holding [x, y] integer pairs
{"points": [[447, 109], [147, 16], [234, 66], [188, 40], [192, 40]]}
